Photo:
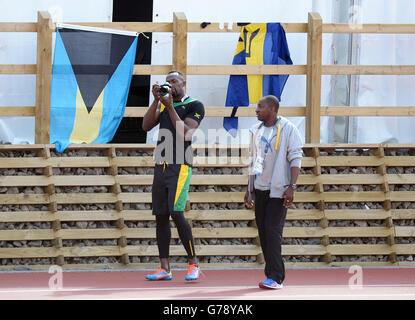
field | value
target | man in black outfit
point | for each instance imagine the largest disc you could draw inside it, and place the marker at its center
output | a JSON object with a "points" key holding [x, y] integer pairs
{"points": [[179, 116]]}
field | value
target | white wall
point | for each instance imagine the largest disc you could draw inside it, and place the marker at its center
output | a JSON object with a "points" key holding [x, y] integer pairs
{"points": [[20, 48], [391, 90], [219, 49]]}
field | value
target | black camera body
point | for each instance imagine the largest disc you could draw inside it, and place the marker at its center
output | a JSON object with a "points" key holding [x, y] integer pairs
{"points": [[164, 89]]}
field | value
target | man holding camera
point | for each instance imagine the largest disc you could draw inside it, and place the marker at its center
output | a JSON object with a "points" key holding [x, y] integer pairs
{"points": [[179, 117]]}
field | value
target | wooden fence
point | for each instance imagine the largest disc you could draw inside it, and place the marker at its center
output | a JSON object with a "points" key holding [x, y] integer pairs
{"points": [[180, 28], [91, 207]]}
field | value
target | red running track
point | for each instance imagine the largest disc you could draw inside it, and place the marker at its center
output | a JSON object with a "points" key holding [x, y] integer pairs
{"points": [[238, 284]]}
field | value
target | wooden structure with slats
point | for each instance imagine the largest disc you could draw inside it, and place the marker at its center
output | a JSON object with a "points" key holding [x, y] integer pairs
{"points": [[91, 206], [180, 28], [61, 221]]}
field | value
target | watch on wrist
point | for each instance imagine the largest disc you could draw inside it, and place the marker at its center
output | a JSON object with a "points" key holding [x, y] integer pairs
{"points": [[292, 185]]}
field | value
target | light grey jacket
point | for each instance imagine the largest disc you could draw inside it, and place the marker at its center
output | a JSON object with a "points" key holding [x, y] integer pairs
{"points": [[289, 155]]}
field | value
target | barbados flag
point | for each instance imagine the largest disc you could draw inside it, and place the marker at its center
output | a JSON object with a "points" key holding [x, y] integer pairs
{"points": [[91, 76], [259, 44]]}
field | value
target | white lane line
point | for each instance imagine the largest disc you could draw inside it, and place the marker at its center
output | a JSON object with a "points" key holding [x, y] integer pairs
{"points": [[200, 288]]}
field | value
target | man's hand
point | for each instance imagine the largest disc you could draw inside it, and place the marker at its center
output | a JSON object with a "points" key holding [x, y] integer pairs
{"points": [[248, 203], [167, 100], [288, 197], [155, 90]]}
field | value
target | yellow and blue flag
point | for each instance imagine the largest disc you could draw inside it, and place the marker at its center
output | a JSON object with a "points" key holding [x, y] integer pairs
{"points": [[91, 76], [258, 44]]}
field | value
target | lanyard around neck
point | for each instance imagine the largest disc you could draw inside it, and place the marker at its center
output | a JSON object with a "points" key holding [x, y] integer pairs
{"points": [[268, 141]]}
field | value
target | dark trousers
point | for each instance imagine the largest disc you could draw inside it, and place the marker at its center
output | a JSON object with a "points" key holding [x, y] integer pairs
{"points": [[270, 218], [163, 234]]}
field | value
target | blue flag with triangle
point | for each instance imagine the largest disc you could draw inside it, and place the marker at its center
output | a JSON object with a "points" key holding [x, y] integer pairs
{"points": [[91, 75]]}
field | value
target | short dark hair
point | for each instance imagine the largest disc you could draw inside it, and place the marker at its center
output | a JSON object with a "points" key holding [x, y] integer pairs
{"points": [[178, 72], [273, 101]]}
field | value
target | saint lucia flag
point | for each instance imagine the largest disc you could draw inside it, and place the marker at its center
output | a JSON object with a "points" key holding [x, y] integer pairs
{"points": [[259, 44], [91, 76]]}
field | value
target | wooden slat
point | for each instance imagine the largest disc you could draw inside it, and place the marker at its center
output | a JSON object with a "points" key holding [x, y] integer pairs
{"points": [[368, 69], [6, 199], [74, 234], [356, 214], [197, 179], [399, 214], [333, 146], [218, 197], [128, 26], [206, 233], [354, 196], [298, 214], [26, 216], [27, 253], [208, 162], [18, 27], [401, 178], [216, 27], [349, 161], [404, 231], [303, 232], [404, 248], [359, 249], [368, 28], [334, 111], [402, 195], [400, 161], [15, 163], [26, 235], [95, 251], [340, 179], [205, 250], [299, 250], [363, 232], [339, 196], [17, 69], [294, 111], [307, 162], [245, 69], [202, 215], [17, 111], [84, 198], [58, 181], [140, 69], [341, 232], [79, 162]]}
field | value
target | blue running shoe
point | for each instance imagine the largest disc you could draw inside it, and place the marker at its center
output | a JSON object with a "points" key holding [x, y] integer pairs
{"points": [[270, 284], [193, 272], [160, 274]]}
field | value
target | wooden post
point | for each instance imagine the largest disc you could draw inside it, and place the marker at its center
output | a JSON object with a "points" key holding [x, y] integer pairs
{"points": [[387, 205], [53, 207], [313, 94], [43, 77], [116, 189], [180, 42]]}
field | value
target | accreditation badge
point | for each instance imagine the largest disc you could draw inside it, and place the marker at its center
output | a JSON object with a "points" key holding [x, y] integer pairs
{"points": [[259, 165]]}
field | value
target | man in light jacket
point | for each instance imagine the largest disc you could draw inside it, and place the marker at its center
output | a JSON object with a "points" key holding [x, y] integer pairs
{"points": [[276, 152]]}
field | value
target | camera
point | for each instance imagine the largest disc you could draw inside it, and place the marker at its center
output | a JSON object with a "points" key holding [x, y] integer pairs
{"points": [[164, 89]]}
